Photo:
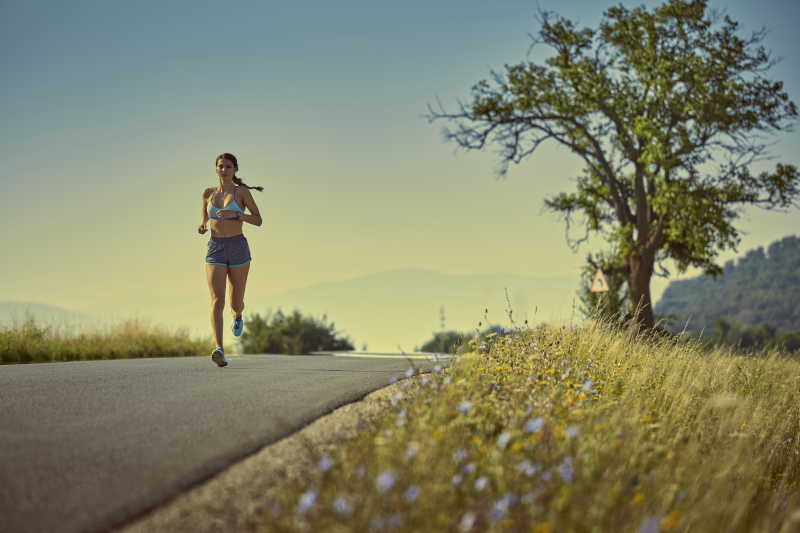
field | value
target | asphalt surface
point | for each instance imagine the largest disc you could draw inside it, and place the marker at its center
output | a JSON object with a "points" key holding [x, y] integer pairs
{"points": [[91, 445]]}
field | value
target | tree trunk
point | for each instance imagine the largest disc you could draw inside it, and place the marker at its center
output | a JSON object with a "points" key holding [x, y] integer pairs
{"points": [[639, 273]]}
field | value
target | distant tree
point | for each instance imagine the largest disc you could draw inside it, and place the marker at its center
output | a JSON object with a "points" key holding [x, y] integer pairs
{"points": [[651, 101], [445, 342], [290, 334]]}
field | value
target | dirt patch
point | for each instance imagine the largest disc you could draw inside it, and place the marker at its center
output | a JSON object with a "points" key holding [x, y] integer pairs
{"points": [[240, 497]]}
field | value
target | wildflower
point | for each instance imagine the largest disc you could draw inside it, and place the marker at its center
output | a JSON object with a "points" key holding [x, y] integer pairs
{"points": [[564, 361], [401, 420], [484, 348], [437, 368], [447, 380], [565, 470], [467, 521], [481, 483], [469, 469], [456, 479], [396, 398], [385, 480], [410, 372], [546, 476], [324, 464], [503, 439], [534, 424], [411, 451], [424, 381], [394, 521], [460, 454], [464, 406], [411, 493], [650, 525], [342, 505], [501, 506], [572, 432], [307, 501], [509, 342], [393, 380], [527, 468]]}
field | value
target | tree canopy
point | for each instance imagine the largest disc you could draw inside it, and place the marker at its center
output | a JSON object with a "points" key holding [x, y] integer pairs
{"points": [[667, 108]]}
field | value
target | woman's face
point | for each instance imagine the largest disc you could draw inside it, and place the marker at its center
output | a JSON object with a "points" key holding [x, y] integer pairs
{"points": [[225, 168]]}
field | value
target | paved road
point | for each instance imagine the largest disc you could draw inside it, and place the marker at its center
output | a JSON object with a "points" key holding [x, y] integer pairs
{"points": [[90, 445]]}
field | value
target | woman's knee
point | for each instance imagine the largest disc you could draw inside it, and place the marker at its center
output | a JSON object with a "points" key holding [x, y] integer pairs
{"points": [[218, 303]]}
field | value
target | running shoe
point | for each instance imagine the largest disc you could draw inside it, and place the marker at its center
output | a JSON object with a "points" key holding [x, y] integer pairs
{"points": [[218, 356], [238, 326]]}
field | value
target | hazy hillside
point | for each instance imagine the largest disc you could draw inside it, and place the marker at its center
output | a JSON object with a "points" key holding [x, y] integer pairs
{"points": [[759, 288], [402, 307], [16, 312]]}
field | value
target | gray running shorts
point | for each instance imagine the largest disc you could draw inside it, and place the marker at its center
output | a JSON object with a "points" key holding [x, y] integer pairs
{"points": [[229, 251]]}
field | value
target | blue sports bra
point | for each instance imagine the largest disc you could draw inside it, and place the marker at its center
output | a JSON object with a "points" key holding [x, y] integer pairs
{"points": [[232, 206]]}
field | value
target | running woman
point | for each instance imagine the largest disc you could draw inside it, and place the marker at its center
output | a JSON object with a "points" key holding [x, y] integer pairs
{"points": [[228, 254]]}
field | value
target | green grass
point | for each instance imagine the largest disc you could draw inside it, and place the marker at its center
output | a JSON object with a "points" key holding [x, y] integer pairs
{"points": [[29, 342], [667, 436]]}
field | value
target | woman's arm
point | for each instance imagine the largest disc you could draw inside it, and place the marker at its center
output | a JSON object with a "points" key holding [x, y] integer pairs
{"points": [[254, 217], [204, 217]]}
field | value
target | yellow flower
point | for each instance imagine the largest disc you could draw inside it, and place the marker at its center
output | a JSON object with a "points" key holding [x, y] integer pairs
{"points": [[637, 498], [517, 446], [544, 527], [670, 521]]}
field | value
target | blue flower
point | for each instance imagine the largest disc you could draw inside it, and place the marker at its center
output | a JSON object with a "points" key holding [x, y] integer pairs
{"points": [[342, 505], [307, 501], [324, 464], [411, 493], [385, 481], [464, 407]]}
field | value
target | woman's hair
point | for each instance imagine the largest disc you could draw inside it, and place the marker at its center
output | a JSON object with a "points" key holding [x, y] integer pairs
{"points": [[232, 159]]}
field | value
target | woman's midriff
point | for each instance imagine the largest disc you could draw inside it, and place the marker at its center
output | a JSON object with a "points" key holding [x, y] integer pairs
{"points": [[225, 228]]}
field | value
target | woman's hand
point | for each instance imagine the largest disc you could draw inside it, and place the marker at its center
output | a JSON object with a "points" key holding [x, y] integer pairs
{"points": [[226, 214], [202, 229]]}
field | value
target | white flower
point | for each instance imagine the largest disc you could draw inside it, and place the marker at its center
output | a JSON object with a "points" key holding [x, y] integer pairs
{"points": [[437, 368], [385, 481], [307, 501], [342, 505], [464, 407], [393, 380], [324, 464], [469, 469], [527, 468], [411, 493], [410, 372], [572, 432], [503, 439], [456, 479], [447, 380], [534, 424], [481, 483], [424, 381], [467, 521], [411, 451], [396, 398]]}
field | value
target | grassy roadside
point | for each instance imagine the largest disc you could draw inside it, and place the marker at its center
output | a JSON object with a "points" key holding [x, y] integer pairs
{"points": [[29, 342], [570, 430]]}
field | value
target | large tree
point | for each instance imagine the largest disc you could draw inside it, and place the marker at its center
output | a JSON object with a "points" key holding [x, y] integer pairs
{"points": [[668, 109]]}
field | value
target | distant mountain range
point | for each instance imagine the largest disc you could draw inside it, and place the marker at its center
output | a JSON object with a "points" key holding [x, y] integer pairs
{"points": [[759, 288], [402, 308], [387, 311]]}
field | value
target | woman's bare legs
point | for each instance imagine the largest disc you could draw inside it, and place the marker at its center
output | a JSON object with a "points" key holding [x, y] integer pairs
{"points": [[216, 275], [238, 281]]}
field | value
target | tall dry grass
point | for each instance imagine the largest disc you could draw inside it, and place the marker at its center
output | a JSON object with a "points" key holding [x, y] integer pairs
{"points": [[30, 342], [595, 429]]}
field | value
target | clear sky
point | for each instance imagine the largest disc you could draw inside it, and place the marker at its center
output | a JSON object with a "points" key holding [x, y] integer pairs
{"points": [[112, 114]]}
